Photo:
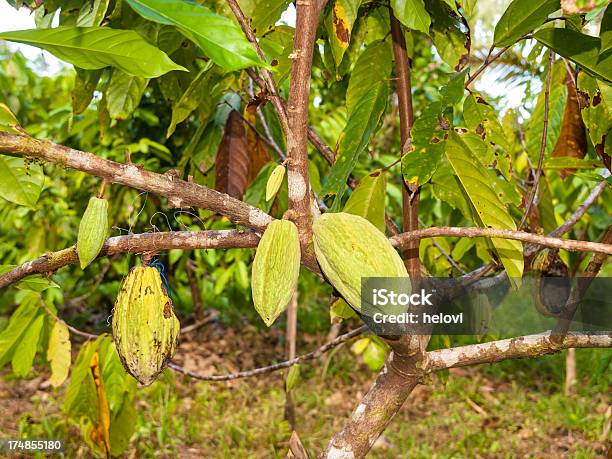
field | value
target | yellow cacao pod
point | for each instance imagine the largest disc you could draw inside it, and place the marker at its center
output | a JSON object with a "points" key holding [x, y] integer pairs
{"points": [[93, 230], [276, 268], [145, 328], [275, 181], [348, 247]]}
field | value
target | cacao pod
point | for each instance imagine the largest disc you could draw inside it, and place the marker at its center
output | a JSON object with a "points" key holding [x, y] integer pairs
{"points": [[276, 268], [275, 181], [145, 328], [551, 283], [349, 247], [93, 230]]}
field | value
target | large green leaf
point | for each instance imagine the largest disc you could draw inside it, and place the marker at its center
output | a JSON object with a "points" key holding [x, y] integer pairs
{"points": [[19, 322], [372, 63], [94, 48], [23, 358], [520, 17], [123, 94], [92, 13], [20, 183], [368, 199], [489, 209], [583, 49], [412, 14], [339, 24], [220, 38], [81, 392], [355, 137]]}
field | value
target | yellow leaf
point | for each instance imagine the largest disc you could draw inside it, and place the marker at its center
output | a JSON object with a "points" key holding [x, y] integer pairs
{"points": [[100, 434], [58, 353]]}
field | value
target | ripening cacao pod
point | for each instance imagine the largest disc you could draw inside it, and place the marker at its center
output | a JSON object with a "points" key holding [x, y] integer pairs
{"points": [[145, 328], [551, 283], [276, 268], [349, 247], [275, 181], [93, 230]]}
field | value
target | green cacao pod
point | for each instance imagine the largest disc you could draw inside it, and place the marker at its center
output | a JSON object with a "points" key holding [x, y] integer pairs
{"points": [[93, 230], [145, 328], [275, 181], [276, 268], [348, 247]]}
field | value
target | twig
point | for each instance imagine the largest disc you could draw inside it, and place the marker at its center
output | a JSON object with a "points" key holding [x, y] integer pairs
{"points": [[74, 330], [488, 60], [212, 316], [277, 366], [536, 180]]}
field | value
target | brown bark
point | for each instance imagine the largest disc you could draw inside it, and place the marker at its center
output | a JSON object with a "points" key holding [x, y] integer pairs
{"points": [[180, 193]]}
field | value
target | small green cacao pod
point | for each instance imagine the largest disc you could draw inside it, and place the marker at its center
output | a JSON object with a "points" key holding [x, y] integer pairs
{"points": [[276, 268], [348, 247], [275, 181], [93, 230], [145, 328]]}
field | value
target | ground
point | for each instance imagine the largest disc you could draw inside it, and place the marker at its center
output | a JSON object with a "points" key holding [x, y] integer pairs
{"points": [[514, 409]]}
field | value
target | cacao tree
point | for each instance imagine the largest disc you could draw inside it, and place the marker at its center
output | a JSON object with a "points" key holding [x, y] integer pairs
{"points": [[193, 156]]}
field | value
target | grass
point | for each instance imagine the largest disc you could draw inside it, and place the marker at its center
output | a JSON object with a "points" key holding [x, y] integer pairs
{"points": [[513, 409]]}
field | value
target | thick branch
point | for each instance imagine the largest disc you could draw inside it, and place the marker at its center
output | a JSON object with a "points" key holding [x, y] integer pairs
{"points": [[567, 244], [513, 348], [136, 243], [179, 192]]}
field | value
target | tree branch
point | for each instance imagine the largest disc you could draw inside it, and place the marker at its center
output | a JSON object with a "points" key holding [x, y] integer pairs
{"points": [[513, 348], [179, 192], [567, 244], [277, 366], [136, 243]]}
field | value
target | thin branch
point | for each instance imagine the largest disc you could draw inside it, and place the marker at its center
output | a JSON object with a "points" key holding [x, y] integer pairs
{"points": [[179, 192], [74, 330], [513, 348], [536, 180], [225, 239], [567, 244], [136, 243], [488, 60], [277, 366]]}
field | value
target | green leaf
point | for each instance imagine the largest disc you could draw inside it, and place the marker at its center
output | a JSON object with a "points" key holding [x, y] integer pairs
{"points": [[521, 17], [579, 48], [20, 183], [372, 63], [368, 199], [81, 395], [122, 427], [58, 353], [419, 166], [412, 14], [339, 24], [605, 34], [23, 357], [8, 121], [85, 83], [447, 32], [123, 94], [94, 48], [92, 13], [374, 355], [489, 209], [478, 113], [36, 284], [355, 137], [221, 39], [205, 87], [263, 13], [19, 322], [340, 310], [568, 162], [597, 115]]}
